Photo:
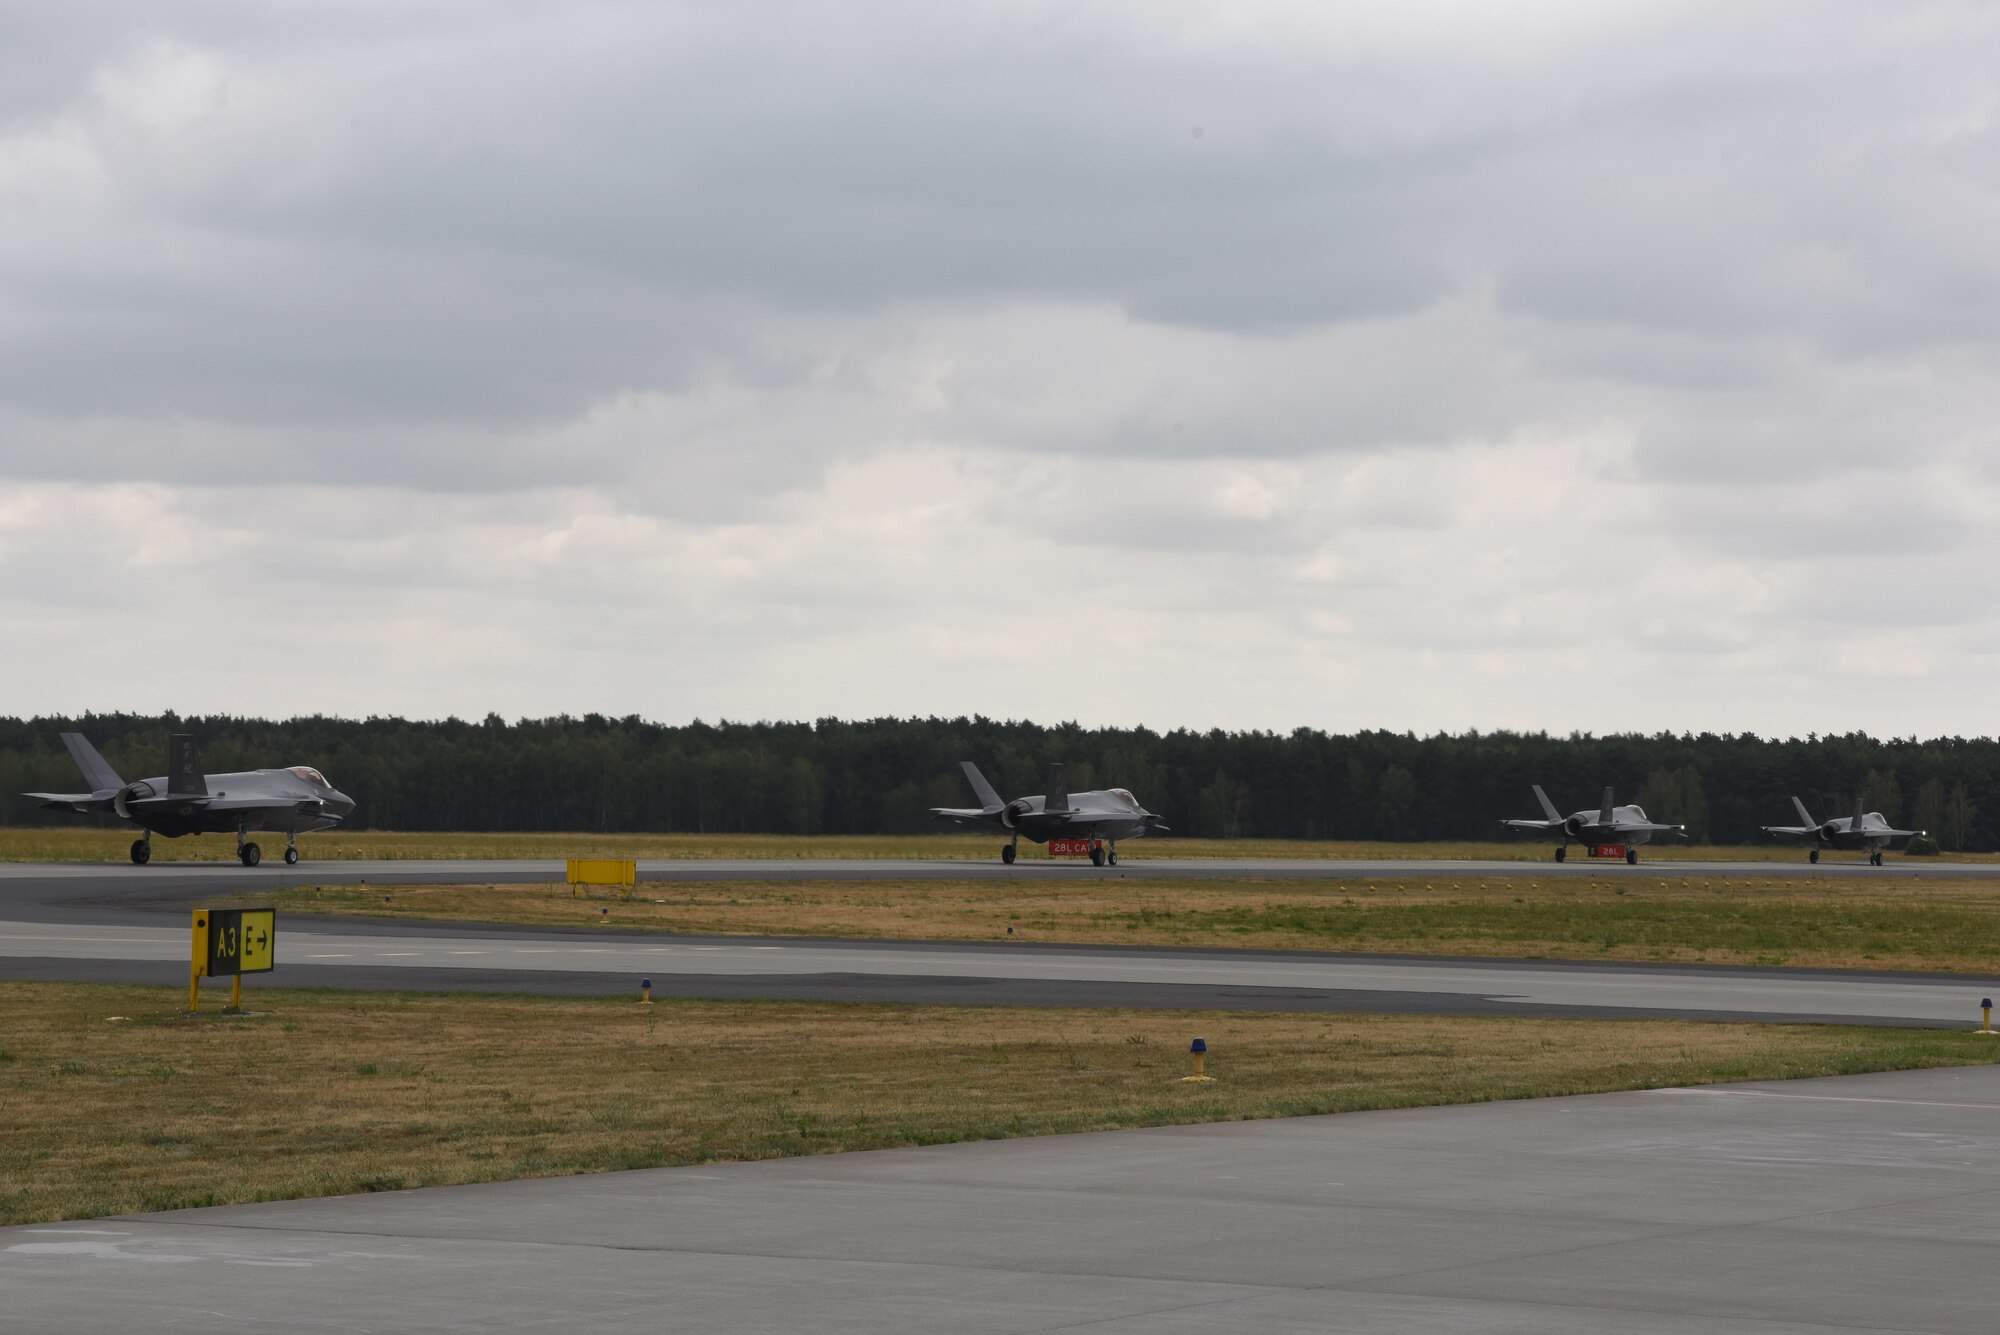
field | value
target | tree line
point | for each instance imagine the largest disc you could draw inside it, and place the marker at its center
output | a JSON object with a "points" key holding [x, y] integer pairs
{"points": [[879, 776]]}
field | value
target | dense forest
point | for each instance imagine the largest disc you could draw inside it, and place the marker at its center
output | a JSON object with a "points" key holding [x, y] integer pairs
{"points": [[880, 775]]}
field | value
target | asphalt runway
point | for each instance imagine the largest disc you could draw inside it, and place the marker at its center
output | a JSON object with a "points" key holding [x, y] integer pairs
{"points": [[1860, 1203], [332, 952], [129, 925], [118, 881]]}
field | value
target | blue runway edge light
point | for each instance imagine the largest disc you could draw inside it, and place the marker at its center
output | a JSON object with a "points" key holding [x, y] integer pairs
{"points": [[1199, 1045]]}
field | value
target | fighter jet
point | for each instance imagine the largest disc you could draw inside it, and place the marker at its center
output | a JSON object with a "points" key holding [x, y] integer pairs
{"points": [[186, 801], [1607, 829], [1102, 817], [1864, 829]]}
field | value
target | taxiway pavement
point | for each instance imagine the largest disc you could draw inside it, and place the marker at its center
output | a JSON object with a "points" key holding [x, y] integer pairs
{"points": [[326, 952], [1862, 1203]]}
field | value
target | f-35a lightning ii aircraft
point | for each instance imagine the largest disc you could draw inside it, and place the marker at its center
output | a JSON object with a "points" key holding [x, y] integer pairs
{"points": [[1102, 817], [1864, 829], [186, 801], [1606, 828]]}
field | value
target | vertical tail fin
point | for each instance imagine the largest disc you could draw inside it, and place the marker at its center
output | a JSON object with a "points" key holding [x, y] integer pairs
{"points": [[1805, 817], [1548, 807], [981, 789], [1856, 826], [1057, 798], [184, 778], [100, 776], [1604, 816]]}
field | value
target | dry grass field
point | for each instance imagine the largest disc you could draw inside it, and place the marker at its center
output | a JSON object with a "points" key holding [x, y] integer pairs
{"points": [[112, 1101], [79, 843], [1885, 923]]}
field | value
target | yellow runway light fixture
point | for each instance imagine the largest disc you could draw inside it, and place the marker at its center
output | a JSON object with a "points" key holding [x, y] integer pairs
{"points": [[1200, 1050], [1986, 1010]]}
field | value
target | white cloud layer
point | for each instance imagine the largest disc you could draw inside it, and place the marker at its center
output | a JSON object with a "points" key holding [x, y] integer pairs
{"points": [[1544, 365]]}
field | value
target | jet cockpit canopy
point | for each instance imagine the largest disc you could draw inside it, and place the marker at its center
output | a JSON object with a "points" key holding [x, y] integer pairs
{"points": [[310, 775], [1124, 795]]}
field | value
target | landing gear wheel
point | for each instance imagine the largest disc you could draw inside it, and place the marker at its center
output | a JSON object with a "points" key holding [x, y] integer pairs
{"points": [[251, 855], [1813, 856], [142, 852], [291, 857], [1561, 853], [1112, 857], [1875, 858], [1007, 854], [1097, 857], [1631, 857]]}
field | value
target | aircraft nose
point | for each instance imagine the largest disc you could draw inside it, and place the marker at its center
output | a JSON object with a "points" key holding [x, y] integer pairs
{"points": [[340, 802]]}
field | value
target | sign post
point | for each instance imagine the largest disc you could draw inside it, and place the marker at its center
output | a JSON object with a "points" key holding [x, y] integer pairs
{"points": [[230, 943]]}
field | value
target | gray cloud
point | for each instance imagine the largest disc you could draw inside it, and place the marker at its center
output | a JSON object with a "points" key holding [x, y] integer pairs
{"points": [[1323, 365]]}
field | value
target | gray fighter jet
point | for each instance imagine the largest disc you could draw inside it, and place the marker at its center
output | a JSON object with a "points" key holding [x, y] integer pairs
{"points": [[1102, 818], [1608, 828], [1864, 829], [186, 801]]}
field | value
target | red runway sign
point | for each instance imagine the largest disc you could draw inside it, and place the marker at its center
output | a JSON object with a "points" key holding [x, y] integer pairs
{"points": [[1069, 848], [1608, 851]]}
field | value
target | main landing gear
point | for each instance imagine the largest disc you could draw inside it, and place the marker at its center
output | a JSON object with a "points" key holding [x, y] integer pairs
{"points": [[1007, 852], [248, 853], [1874, 857], [292, 849], [1813, 856], [1100, 855], [1631, 857], [1562, 854], [142, 849]]}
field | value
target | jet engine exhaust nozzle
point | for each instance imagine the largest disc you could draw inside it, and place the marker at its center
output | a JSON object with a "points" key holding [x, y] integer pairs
{"points": [[1829, 830], [130, 792], [1573, 827]]}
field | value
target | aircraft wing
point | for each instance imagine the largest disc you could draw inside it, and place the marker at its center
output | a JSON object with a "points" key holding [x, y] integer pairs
{"points": [[1800, 830], [1533, 824], [1642, 826], [966, 815], [71, 801]]}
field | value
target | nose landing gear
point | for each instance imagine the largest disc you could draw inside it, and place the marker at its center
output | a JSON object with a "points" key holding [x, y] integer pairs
{"points": [[142, 849]]}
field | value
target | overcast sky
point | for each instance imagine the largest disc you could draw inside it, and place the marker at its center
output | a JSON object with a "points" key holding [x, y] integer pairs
{"points": [[1566, 366]]}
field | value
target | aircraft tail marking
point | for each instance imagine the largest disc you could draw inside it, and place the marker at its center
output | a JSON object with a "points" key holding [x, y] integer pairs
{"points": [[1057, 798], [99, 775], [184, 778]]}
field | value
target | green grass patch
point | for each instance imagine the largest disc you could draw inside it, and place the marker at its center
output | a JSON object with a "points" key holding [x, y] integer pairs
{"points": [[1882, 922], [324, 1093]]}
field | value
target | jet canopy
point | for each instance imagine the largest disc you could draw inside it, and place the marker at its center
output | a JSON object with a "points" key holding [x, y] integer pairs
{"points": [[1124, 795], [310, 775]]}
